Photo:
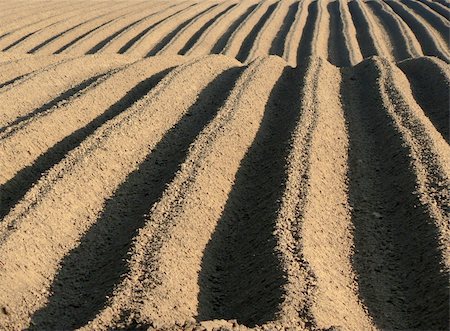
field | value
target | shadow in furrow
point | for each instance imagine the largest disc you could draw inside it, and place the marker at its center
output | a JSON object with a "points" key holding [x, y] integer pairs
{"points": [[338, 53], [429, 16], [14, 190], [172, 34], [306, 41], [437, 8], [141, 34], [395, 34], [396, 247], [191, 42], [81, 37], [15, 125], [108, 39], [223, 40], [241, 275], [277, 47], [365, 40], [18, 41], [90, 272], [249, 41], [423, 35]]}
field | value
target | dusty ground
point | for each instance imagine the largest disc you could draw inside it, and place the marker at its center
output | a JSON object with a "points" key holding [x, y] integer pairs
{"points": [[224, 165]]}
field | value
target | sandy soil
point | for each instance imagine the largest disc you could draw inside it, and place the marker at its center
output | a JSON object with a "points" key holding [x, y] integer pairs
{"points": [[224, 165]]}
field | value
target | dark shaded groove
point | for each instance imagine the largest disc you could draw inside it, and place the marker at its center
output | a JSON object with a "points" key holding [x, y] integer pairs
{"points": [[163, 42], [14, 190], [15, 125], [241, 275], [220, 44], [105, 41], [249, 41], [306, 41], [444, 3], [18, 41], [365, 41], [82, 36], [397, 258], [200, 31], [92, 270], [141, 34], [429, 16], [338, 53], [422, 34], [438, 8], [12, 81], [393, 30], [4, 35], [430, 89], [277, 47], [49, 40]]}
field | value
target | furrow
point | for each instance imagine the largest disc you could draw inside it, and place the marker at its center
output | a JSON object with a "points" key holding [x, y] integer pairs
{"points": [[82, 44], [338, 53], [398, 175], [438, 8], [403, 42], [169, 44], [225, 31], [150, 36], [89, 175], [305, 46], [68, 29], [369, 41], [183, 220], [58, 77], [279, 41], [253, 45], [30, 150], [195, 37], [113, 37], [349, 31], [295, 33], [441, 25], [244, 31], [429, 40], [430, 82]]}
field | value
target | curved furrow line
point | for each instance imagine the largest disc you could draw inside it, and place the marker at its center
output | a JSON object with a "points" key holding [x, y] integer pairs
{"points": [[368, 43], [305, 46], [54, 42], [111, 237], [166, 40], [279, 41], [90, 174], [295, 33], [140, 44], [271, 28], [338, 52], [30, 29], [113, 37], [440, 24], [256, 43], [174, 42], [215, 45], [349, 31], [217, 30], [429, 40], [188, 206], [403, 43], [58, 77], [438, 8], [30, 150], [83, 43], [399, 171], [246, 28], [430, 82]]}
